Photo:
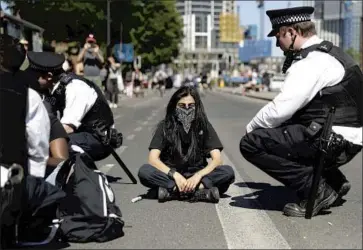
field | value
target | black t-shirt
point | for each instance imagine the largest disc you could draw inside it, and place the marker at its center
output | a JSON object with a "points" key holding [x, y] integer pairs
{"points": [[56, 128], [210, 141]]}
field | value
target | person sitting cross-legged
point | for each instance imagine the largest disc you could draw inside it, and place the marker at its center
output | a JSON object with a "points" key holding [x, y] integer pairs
{"points": [[183, 141]]}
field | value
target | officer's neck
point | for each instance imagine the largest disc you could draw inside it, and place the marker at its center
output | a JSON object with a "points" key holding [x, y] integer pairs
{"points": [[300, 41]]}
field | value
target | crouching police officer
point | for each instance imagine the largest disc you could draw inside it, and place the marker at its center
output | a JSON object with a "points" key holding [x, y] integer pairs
{"points": [[84, 111], [283, 138]]}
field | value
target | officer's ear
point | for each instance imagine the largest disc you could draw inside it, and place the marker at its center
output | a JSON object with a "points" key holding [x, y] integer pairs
{"points": [[49, 76], [291, 31]]}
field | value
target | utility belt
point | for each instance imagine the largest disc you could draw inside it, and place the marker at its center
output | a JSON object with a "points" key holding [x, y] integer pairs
{"points": [[335, 146], [107, 136]]}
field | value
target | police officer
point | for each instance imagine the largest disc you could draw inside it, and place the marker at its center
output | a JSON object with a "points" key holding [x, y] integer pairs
{"points": [[84, 111], [282, 139], [24, 122], [24, 133]]}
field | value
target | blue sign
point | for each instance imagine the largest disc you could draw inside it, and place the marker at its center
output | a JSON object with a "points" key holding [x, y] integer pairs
{"points": [[255, 49], [126, 53]]}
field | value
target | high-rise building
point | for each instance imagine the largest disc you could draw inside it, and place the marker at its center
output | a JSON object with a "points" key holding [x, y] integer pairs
{"points": [[338, 21], [202, 36]]}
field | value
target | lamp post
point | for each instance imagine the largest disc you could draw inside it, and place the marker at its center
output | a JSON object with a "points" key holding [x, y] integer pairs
{"points": [[108, 22]]}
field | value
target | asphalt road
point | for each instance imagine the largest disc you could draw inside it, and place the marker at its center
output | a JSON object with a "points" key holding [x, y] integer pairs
{"points": [[249, 217]]}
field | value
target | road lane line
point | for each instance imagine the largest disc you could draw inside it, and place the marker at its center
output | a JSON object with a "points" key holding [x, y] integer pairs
{"points": [[145, 123], [117, 117], [107, 167], [130, 137], [121, 149], [138, 129], [247, 227]]}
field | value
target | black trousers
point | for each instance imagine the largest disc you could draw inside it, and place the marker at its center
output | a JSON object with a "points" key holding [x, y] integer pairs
{"points": [[222, 177], [90, 144], [288, 155]]}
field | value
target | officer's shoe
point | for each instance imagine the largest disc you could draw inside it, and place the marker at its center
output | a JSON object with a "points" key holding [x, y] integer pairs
{"points": [[325, 198], [207, 195], [344, 189], [166, 195]]}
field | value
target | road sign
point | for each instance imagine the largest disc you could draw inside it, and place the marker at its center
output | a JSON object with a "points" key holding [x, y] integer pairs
{"points": [[126, 53]]}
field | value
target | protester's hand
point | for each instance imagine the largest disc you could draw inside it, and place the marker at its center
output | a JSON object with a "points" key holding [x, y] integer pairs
{"points": [[87, 46], [96, 49], [192, 182], [180, 181]]}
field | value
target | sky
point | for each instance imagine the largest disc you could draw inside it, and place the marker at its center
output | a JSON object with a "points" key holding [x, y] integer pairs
{"points": [[250, 14]]}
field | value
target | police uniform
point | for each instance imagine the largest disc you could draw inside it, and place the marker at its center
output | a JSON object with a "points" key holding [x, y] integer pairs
{"points": [[282, 139], [24, 123], [80, 102]]}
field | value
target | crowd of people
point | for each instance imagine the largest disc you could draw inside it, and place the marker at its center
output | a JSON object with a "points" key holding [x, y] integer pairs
{"points": [[60, 123]]}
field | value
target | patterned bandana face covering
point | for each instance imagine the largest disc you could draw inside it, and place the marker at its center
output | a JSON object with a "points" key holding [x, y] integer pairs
{"points": [[185, 116]]}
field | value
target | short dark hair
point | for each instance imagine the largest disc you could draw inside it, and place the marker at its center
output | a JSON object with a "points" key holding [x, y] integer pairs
{"points": [[305, 29]]}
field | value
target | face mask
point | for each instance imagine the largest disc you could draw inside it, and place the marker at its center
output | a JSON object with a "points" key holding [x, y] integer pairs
{"points": [[185, 116]]}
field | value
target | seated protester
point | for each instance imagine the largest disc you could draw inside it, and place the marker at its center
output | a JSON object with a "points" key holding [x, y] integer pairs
{"points": [[178, 164], [26, 120], [85, 113], [283, 138]]}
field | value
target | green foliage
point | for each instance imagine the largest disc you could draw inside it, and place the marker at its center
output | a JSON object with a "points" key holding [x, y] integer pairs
{"points": [[154, 27], [354, 54], [158, 32]]}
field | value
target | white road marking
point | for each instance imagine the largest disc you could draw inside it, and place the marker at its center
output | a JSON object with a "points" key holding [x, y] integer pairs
{"points": [[107, 167], [149, 118], [138, 129], [130, 137], [145, 123], [121, 149], [117, 117], [247, 228]]}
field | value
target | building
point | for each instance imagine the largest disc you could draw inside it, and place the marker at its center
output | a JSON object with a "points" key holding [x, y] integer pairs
{"points": [[202, 47], [339, 22]]}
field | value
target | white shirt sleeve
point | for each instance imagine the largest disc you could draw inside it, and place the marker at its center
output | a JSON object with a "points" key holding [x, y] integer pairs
{"points": [[37, 133], [303, 81], [79, 100]]}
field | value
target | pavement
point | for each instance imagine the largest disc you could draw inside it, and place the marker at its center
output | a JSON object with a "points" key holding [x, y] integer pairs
{"points": [[268, 96], [249, 216]]}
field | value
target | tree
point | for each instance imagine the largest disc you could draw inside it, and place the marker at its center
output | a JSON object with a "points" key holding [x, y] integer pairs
{"points": [[354, 54], [65, 19], [158, 32]]}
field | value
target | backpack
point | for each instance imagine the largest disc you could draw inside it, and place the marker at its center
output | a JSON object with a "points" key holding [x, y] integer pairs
{"points": [[89, 212]]}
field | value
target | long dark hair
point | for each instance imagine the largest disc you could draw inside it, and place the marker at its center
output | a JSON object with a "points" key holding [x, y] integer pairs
{"points": [[172, 129]]}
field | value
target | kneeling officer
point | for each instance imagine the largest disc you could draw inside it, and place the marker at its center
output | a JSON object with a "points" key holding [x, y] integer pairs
{"points": [[84, 111]]}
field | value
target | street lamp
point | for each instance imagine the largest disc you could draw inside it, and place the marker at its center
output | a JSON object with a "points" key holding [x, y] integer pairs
{"points": [[108, 22]]}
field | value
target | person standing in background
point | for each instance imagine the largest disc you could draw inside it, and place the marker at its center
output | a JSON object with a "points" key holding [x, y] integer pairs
{"points": [[92, 59], [114, 69]]}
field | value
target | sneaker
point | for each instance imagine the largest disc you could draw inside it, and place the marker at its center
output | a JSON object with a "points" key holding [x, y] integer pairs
{"points": [[207, 195], [115, 105], [325, 198]]}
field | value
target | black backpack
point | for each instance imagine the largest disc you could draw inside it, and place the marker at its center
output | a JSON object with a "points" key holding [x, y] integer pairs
{"points": [[89, 212], [85, 213]]}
